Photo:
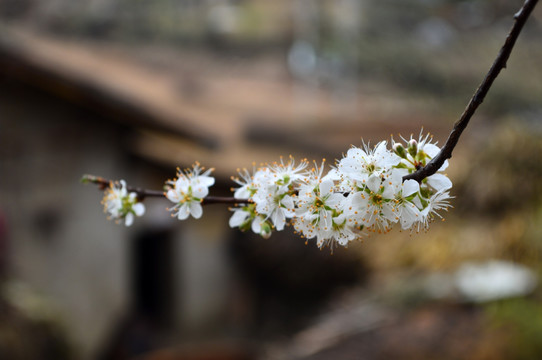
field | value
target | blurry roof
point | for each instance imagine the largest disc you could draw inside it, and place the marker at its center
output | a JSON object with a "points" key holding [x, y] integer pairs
{"points": [[196, 106]]}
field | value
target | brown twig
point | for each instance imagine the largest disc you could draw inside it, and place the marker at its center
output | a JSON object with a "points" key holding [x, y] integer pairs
{"points": [[478, 97], [144, 193]]}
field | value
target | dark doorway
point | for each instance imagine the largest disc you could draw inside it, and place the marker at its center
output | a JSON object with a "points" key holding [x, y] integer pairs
{"points": [[150, 318], [152, 277]]}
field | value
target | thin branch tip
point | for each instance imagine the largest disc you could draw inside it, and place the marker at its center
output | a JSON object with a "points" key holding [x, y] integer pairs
{"points": [[478, 98]]}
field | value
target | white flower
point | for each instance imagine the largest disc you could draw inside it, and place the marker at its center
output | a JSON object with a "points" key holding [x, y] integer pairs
{"points": [[360, 164], [320, 210], [261, 226], [432, 194], [438, 201], [275, 186], [316, 201], [289, 173], [247, 184], [246, 217], [419, 152], [240, 217], [188, 191], [373, 206], [276, 203], [121, 205], [430, 150], [404, 210], [341, 232]]}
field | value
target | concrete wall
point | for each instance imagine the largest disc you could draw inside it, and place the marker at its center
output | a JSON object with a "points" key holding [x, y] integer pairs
{"points": [[59, 241]]}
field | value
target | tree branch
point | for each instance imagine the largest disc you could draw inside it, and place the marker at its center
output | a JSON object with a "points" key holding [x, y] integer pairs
{"points": [[144, 193], [478, 97]]}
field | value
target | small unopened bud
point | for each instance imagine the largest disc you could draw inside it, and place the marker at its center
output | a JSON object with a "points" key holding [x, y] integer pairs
{"points": [[413, 147], [266, 230], [399, 150]]}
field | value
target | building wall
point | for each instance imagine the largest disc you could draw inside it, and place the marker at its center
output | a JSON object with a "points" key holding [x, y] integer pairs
{"points": [[55, 244], [102, 279]]}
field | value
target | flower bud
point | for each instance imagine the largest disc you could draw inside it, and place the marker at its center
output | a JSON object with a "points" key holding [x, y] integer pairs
{"points": [[413, 147], [399, 150], [266, 230]]}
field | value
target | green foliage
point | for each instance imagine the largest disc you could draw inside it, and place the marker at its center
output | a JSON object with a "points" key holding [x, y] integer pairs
{"points": [[521, 319]]}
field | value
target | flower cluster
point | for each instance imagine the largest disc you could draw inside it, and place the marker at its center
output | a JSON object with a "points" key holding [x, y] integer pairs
{"points": [[269, 194], [188, 191], [363, 193], [121, 205]]}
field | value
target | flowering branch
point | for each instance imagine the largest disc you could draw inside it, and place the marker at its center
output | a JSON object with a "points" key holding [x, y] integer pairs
{"points": [[105, 183], [478, 97], [141, 194], [364, 192], [368, 190]]}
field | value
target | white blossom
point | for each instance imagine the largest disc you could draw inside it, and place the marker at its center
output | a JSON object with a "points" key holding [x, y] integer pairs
{"points": [[359, 164], [404, 210], [364, 192], [319, 211], [188, 191], [437, 202], [121, 205], [419, 152], [275, 187], [372, 205]]}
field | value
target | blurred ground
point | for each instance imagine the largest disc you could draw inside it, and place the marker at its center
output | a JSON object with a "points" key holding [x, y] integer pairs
{"points": [[229, 83]]}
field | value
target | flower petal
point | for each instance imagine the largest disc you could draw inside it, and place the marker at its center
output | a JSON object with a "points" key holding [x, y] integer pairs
{"points": [[129, 219], [439, 182], [200, 191], [326, 187], [410, 187], [139, 209], [196, 210], [279, 220], [257, 225], [183, 212], [173, 196], [373, 183], [239, 216], [206, 180]]}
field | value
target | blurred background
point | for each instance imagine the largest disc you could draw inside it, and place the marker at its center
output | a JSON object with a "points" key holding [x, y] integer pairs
{"points": [[131, 89]]}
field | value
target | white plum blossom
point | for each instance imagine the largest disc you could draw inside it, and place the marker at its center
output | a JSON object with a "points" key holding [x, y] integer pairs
{"points": [[275, 203], [319, 211], [437, 202], [359, 164], [275, 190], [419, 152], [364, 192], [188, 191], [247, 186], [261, 226], [241, 217], [270, 191], [245, 218], [404, 210], [372, 206], [121, 205]]}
